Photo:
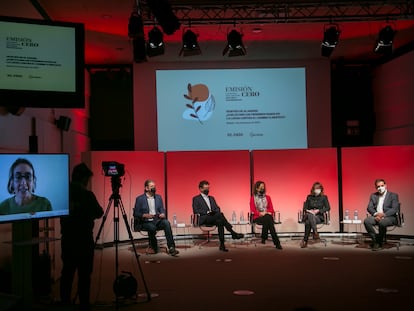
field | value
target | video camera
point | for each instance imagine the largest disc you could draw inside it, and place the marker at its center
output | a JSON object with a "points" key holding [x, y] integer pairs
{"points": [[113, 169]]}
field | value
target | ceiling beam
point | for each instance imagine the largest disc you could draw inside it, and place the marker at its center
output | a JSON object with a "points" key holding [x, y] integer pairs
{"points": [[265, 11], [40, 10]]}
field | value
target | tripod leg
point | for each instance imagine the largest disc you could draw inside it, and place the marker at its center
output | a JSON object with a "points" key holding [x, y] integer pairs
{"points": [[131, 238], [103, 220]]}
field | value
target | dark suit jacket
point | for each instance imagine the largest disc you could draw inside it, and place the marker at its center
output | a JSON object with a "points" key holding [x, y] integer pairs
{"points": [[391, 204], [142, 207], [200, 207]]}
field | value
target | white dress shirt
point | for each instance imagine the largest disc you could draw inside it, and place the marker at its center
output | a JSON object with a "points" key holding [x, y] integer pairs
{"points": [[380, 206], [207, 199], [151, 205]]}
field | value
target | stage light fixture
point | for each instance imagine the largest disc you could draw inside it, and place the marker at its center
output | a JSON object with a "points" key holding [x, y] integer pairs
{"points": [[139, 50], [235, 46], [155, 44], [135, 25], [330, 39], [136, 33], [165, 16], [190, 44], [384, 41]]}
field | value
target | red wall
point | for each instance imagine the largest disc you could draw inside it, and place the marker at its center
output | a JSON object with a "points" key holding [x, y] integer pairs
{"points": [[394, 101], [289, 175], [228, 173], [361, 166], [139, 166]]}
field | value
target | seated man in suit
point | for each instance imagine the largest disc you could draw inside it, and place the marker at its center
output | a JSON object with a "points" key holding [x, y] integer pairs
{"points": [[149, 213], [210, 214], [383, 207]]}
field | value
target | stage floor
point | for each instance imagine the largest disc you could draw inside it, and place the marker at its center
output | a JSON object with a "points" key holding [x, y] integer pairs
{"points": [[339, 276]]}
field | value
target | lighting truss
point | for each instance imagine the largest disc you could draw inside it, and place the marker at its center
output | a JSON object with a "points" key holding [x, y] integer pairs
{"points": [[301, 11]]}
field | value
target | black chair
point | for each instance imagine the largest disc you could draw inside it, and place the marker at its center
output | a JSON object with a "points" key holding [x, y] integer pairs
{"points": [[400, 223], [205, 228], [326, 222], [257, 228], [136, 225]]}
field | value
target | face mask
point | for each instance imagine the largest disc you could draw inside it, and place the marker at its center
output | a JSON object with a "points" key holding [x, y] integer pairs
{"points": [[206, 191], [381, 189], [317, 191], [261, 191], [153, 190]]}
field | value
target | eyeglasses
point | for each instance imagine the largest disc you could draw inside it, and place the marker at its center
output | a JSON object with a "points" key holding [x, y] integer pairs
{"points": [[18, 177]]}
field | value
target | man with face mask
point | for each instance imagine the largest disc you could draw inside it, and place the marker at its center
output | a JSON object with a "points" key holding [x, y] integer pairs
{"points": [[383, 207], [149, 214], [210, 214]]}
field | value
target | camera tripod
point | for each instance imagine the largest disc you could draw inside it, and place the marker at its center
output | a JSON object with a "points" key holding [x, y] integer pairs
{"points": [[115, 198]]}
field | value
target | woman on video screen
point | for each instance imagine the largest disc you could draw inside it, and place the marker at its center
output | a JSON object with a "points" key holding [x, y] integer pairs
{"points": [[22, 184]]}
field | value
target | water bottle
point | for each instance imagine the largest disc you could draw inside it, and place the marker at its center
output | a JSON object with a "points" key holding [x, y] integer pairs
{"points": [[175, 220], [277, 217], [241, 218], [233, 217], [355, 215], [346, 214]]}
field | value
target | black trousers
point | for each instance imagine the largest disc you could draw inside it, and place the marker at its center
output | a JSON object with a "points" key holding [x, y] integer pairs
{"points": [[160, 224], [311, 222], [221, 222], [268, 226], [77, 255], [370, 224]]}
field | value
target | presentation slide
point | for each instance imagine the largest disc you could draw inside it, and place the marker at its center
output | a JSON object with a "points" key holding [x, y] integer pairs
{"points": [[37, 57], [231, 109]]}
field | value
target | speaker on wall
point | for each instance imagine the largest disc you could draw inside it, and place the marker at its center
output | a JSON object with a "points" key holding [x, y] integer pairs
{"points": [[63, 123]]}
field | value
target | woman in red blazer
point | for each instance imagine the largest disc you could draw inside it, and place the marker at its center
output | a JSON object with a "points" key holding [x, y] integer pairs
{"points": [[261, 209]]}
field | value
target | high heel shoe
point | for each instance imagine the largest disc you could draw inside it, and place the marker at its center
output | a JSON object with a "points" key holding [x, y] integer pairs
{"points": [[223, 248], [303, 244], [237, 236]]}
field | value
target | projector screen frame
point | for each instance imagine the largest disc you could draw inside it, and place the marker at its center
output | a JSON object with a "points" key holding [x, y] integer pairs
{"points": [[173, 134], [50, 99]]}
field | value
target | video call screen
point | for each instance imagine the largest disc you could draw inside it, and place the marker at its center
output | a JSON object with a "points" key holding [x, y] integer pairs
{"points": [[33, 186]]}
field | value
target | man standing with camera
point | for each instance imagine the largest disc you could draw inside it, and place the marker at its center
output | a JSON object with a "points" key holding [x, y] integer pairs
{"points": [[149, 215]]}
